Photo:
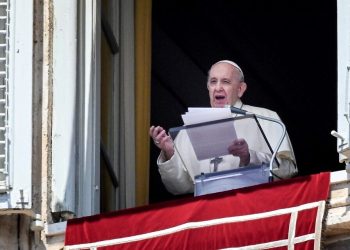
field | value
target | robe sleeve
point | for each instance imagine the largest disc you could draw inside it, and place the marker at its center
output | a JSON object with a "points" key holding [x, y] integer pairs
{"points": [[174, 175]]}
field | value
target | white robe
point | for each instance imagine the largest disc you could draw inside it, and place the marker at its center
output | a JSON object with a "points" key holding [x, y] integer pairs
{"points": [[178, 173]]}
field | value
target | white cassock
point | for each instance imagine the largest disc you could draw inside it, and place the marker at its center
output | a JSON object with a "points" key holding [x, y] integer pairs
{"points": [[178, 173]]}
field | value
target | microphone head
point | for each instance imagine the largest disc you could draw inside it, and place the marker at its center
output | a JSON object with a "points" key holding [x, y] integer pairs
{"points": [[236, 110]]}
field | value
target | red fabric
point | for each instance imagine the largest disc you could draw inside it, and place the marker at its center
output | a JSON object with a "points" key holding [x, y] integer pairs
{"points": [[252, 200]]}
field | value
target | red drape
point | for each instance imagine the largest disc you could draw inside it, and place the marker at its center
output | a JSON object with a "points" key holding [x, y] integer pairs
{"points": [[203, 211]]}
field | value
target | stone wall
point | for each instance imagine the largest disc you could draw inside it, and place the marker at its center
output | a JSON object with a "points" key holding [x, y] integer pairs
{"points": [[336, 233], [15, 232]]}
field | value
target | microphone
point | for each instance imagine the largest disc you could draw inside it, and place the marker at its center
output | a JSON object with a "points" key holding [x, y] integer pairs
{"points": [[237, 110]]}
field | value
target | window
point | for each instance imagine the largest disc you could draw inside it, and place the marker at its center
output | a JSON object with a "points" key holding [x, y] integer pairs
{"points": [[110, 106], [15, 103], [4, 142], [93, 107]]}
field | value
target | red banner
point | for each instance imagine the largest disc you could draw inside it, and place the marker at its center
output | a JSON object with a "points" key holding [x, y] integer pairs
{"points": [[272, 215]]}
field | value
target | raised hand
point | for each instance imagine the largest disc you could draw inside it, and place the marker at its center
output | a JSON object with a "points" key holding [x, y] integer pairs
{"points": [[162, 140]]}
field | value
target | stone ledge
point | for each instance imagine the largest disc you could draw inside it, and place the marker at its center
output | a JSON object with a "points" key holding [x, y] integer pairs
{"points": [[337, 217]]}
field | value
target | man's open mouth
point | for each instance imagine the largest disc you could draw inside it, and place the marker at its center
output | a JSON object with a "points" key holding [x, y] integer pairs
{"points": [[219, 97]]}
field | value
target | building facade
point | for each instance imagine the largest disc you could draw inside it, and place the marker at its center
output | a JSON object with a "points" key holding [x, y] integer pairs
{"points": [[70, 72], [68, 114]]}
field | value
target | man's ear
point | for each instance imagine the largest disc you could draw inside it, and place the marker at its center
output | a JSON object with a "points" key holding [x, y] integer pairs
{"points": [[241, 89]]}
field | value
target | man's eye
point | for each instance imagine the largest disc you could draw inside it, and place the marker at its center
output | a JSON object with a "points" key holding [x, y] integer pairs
{"points": [[226, 81], [212, 81]]}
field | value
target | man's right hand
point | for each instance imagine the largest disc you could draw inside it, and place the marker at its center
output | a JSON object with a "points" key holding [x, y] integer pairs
{"points": [[239, 147], [162, 140]]}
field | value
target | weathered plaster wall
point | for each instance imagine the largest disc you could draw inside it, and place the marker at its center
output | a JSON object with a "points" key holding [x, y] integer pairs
{"points": [[37, 104], [337, 224], [15, 232]]}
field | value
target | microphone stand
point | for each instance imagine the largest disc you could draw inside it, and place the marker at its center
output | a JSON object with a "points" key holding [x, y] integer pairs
{"points": [[275, 151], [278, 144]]}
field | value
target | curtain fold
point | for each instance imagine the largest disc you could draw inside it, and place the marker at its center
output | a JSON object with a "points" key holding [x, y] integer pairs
{"points": [[143, 22]]}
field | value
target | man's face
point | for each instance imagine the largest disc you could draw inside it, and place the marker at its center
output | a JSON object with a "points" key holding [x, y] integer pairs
{"points": [[224, 85]]}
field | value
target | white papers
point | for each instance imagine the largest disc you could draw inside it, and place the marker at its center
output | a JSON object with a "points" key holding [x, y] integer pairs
{"points": [[212, 140], [199, 115]]}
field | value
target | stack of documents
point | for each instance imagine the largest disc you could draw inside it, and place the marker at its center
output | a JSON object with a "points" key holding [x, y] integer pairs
{"points": [[199, 115], [210, 140]]}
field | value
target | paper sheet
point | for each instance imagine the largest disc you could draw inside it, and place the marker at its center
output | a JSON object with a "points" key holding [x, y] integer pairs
{"points": [[212, 140]]}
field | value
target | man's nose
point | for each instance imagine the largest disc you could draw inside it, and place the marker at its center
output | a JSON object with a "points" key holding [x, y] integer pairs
{"points": [[218, 85]]}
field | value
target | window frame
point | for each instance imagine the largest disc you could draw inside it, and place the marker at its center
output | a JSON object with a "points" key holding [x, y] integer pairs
{"points": [[20, 89], [343, 35]]}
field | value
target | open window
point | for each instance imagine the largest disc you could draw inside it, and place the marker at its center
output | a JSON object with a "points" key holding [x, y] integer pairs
{"points": [[93, 109]]}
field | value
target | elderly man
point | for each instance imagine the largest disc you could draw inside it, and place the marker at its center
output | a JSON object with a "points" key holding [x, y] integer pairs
{"points": [[226, 87]]}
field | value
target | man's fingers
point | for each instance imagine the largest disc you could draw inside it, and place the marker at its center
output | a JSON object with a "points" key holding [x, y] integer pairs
{"points": [[239, 142], [160, 138], [151, 131], [156, 131]]}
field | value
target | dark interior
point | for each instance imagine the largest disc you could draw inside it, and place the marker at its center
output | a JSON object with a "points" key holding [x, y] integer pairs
{"points": [[286, 49]]}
